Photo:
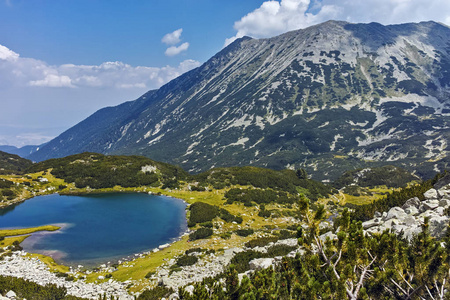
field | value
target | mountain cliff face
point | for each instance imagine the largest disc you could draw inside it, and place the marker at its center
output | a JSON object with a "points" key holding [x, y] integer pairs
{"points": [[328, 98]]}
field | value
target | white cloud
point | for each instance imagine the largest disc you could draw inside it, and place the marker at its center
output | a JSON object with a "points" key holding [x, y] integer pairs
{"points": [[39, 101], [174, 50], [7, 54], [276, 17], [172, 38], [20, 72], [53, 80]]}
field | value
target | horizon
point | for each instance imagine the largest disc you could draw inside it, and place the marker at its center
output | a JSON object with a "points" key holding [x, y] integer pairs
{"points": [[61, 62]]}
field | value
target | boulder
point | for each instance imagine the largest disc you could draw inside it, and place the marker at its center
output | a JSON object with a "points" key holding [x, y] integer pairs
{"points": [[398, 228], [444, 192], [413, 202], [377, 214], [411, 231], [11, 295], [370, 223], [439, 211], [412, 211], [445, 203], [395, 213], [430, 204], [260, 263], [431, 194], [326, 235], [438, 225], [410, 221]]}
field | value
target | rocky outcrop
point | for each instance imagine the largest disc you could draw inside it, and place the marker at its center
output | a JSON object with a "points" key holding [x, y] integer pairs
{"points": [[408, 219], [32, 269]]}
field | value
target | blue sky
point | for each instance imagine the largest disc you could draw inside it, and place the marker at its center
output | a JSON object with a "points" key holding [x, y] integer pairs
{"points": [[61, 60]]}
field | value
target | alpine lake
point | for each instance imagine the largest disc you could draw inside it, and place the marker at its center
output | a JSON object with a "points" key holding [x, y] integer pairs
{"points": [[97, 228]]}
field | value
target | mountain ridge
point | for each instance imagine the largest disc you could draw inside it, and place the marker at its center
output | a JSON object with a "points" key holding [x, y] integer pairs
{"points": [[332, 96]]}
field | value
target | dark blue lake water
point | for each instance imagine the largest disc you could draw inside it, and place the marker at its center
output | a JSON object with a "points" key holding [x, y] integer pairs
{"points": [[97, 228]]}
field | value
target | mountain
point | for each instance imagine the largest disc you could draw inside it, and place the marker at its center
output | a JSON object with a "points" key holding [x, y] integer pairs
{"points": [[328, 98], [22, 151], [13, 164]]}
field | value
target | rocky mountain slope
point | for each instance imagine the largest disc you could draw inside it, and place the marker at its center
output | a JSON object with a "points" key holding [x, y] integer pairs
{"points": [[327, 98]]}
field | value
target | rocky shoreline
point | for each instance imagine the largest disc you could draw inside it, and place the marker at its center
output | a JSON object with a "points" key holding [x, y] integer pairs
{"points": [[32, 269]]}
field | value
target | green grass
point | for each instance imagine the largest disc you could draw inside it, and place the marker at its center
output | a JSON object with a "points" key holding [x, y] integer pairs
{"points": [[22, 231]]}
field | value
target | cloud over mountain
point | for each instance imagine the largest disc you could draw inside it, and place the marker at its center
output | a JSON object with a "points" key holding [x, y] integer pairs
{"points": [[276, 17]]}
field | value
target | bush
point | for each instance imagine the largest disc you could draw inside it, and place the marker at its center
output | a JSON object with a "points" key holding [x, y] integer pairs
{"points": [[207, 224], [241, 259], [261, 242], [280, 250], [244, 232], [192, 250], [264, 213], [259, 196], [156, 293], [228, 217], [198, 188], [201, 233], [202, 212], [186, 260], [226, 235], [286, 234]]}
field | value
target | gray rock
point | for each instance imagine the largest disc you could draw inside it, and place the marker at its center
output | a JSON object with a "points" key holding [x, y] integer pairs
{"points": [[411, 231], [377, 214], [412, 211], [427, 214], [326, 235], [410, 221], [430, 204], [395, 213], [397, 229], [260, 263], [370, 223], [445, 203], [431, 194], [438, 225], [11, 295], [413, 202], [388, 224], [439, 211]]}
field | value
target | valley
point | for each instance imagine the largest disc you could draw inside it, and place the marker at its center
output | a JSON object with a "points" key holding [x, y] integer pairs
{"points": [[230, 210]]}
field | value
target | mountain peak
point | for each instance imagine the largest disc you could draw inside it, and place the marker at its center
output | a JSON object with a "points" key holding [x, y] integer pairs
{"points": [[326, 98]]}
